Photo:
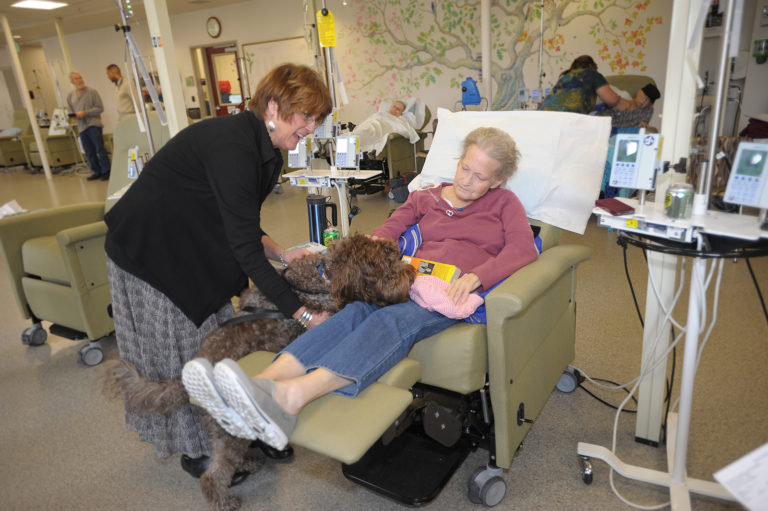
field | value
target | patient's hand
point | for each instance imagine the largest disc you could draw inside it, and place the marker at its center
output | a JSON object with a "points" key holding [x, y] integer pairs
{"points": [[459, 289], [291, 255]]}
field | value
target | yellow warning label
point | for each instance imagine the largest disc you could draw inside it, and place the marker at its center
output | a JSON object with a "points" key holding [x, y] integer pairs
{"points": [[632, 223], [326, 30]]}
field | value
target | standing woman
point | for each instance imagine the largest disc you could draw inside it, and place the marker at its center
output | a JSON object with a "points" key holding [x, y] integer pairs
{"points": [[186, 237], [578, 88]]}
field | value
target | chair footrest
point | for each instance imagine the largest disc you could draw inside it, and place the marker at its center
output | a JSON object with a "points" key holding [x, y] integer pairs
{"points": [[337, 426], [412, 469]]}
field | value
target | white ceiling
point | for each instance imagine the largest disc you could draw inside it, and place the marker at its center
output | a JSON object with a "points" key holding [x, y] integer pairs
{"points": [[81, 15]]}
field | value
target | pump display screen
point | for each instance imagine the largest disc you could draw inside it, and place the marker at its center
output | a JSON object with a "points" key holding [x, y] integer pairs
{"points": [[341, 145], [751, 163], [627, 151], [747, 182]]}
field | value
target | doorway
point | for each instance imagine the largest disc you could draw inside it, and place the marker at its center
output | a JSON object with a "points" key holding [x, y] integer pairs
{"points": [[217, 75]]}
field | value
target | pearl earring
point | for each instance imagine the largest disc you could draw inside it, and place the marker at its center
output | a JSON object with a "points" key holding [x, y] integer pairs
{"points": [[271, 126]]}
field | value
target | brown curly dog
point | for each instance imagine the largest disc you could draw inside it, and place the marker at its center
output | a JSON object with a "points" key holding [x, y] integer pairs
{"points": [[356, 268]]}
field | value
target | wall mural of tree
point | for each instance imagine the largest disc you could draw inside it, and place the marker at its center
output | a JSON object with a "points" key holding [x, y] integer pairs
{"points": [[397, 48]]}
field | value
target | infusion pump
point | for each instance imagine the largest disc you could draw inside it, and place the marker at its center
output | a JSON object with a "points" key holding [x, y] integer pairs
{"points": [[635, 160], [748, 181], [347, 152], [301, 157], [328, 128]]}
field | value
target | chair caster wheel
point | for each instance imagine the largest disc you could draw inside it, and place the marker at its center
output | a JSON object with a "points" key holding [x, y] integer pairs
{"points": [[486, 486], [568, 381], [586, 469], [91, 355], [34, 335]]}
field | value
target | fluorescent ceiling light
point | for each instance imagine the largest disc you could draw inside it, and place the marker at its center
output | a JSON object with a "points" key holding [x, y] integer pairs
{"points": [[38, 4]]}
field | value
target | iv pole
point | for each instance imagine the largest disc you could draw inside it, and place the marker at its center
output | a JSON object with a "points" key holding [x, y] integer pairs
{"points": [[137, 65]]}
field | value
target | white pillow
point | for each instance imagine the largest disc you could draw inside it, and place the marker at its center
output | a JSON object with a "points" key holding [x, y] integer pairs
{"points": [[561, 165]]}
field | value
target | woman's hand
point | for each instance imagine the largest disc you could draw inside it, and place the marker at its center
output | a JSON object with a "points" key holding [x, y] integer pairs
{"points": [[288, 256], [459, 289], [318, 317]]}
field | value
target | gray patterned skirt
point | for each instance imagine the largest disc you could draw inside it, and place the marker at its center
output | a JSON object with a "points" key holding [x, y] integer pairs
{"points": [[158, 339]]}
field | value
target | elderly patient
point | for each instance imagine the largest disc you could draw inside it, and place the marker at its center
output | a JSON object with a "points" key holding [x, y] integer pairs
{"points": [[472, 223], [400, 118]]}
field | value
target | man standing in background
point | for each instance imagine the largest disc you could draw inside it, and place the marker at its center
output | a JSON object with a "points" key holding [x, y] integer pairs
{"points": [[86, 104], [122, 91]]}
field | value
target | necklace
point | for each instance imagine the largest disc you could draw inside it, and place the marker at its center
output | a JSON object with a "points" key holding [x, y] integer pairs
{"points": [[448, 212]]}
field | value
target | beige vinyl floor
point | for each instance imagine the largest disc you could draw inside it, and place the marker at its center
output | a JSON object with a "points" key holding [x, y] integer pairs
{"points": [[64, 446]]}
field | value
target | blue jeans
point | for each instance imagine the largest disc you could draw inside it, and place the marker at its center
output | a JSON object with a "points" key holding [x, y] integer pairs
{"points": [[362, 341], [93, 145]]}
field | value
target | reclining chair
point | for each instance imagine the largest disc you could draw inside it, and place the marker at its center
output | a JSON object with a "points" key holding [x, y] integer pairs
{"points": [[11, 147], [468, 386], [476, 385], [56, 262], [61, 150], [400, 155], [397, 157]]}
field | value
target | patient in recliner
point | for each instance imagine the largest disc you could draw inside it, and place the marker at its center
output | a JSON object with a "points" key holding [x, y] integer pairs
{"points": [[472, 223], [399, 117]]}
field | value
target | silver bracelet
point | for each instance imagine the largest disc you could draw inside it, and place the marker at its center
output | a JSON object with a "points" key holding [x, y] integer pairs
{"points": [[305, 318], [282, 259]]}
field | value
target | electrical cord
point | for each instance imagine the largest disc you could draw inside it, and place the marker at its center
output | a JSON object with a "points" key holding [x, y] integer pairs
{"points": [[606, 403], [757, 288], [696, 279], [631, 287]]}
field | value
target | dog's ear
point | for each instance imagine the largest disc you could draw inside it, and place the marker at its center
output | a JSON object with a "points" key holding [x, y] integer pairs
{"points": [[304, 274], [394, 287], [369, 270]]}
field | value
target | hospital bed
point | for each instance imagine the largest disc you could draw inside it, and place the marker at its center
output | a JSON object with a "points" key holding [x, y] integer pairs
{"points": [[56, 262], [475, 385]]}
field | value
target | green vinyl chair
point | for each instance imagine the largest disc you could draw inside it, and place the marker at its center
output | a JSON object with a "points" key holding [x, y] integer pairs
{"points": [[468, 386], [56, 261]]}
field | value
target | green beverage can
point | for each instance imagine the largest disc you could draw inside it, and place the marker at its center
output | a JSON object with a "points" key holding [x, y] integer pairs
{"points": [[679, 201], [330, 235]]}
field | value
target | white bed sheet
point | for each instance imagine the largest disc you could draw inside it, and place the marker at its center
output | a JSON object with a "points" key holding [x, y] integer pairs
{"points": [[375, 130], [561, 165]]}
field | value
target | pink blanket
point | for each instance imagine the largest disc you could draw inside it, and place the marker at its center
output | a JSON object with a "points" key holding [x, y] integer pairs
{"points": [[430, 293]]}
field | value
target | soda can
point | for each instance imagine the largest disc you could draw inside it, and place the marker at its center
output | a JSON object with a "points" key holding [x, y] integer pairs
{"points": [[679, 201], [330, 235]]}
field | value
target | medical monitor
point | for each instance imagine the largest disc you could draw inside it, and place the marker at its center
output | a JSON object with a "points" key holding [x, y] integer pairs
{"points": [[301, 157], [347, 152], [749, 174], [634, 161], [328, 128]]}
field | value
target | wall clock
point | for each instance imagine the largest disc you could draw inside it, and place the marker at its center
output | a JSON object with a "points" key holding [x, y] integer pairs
{"points": [[213, 26]]}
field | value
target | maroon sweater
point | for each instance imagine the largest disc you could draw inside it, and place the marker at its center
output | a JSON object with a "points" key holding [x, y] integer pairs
{"points": [[490, 237]]}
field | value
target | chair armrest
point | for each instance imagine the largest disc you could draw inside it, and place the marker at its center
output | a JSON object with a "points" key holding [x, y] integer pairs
{"points": [[83, 250], [518, 291], [68, 237], [15, 230]]}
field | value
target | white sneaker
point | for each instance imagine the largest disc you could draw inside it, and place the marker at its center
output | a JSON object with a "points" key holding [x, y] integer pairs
{"points": [[253, 400], [197, 377]]}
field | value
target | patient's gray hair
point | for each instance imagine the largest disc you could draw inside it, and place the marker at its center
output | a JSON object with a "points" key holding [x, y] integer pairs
{"points": [[498, 145]]}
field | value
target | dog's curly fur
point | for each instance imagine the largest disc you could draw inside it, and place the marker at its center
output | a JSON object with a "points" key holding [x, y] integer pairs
{"points": [[357, 268]]}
